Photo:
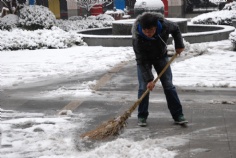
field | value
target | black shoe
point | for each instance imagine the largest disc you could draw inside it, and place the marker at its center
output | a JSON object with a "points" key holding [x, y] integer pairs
{"points": [[142, 122], [181, 120]]}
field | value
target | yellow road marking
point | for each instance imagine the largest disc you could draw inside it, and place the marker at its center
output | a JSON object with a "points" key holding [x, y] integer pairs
{"points": [[99, 84]]}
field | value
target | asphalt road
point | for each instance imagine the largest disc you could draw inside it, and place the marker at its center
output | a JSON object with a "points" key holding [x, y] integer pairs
{"points": [[211, 112]]}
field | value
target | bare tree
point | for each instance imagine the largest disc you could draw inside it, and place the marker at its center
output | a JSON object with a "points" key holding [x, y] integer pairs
{"points": [[11, 6], [88, 4]]}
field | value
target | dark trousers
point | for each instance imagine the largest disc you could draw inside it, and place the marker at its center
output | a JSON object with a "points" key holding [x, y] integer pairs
{"points": [[172, 98]]}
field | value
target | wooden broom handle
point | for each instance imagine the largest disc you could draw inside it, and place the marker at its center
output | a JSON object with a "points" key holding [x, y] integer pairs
{"points": [[159, 76]]}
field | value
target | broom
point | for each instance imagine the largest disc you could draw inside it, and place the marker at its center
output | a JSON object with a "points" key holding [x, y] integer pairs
{"points": [[113, 126]]}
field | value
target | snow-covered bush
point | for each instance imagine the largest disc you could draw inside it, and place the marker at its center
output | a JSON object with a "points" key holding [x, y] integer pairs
{"points": [[36, 17], [23, 39], [99, 21], [230, 6], [232, 38], [223, 17], [91, 17], [105, 17], [74, 18], [68, 25], [9, 21]]}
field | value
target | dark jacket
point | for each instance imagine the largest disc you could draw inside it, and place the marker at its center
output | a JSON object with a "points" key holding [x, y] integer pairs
{"points": [[148, 51]]}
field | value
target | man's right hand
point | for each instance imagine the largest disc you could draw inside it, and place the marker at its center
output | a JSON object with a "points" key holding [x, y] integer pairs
{"points": [[179, 50], [150, 85]]}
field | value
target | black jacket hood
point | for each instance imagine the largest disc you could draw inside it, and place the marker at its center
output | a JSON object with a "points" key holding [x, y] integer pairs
{"points": [[136, 22]]}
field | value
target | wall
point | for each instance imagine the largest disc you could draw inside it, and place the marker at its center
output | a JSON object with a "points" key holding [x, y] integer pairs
{"points": [[72, 8], [1, 6], [217, 33], [175, 9], [42, 2], [63, 9], [54, 6]]}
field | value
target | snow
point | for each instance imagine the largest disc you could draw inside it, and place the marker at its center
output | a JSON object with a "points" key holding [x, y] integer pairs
{"points": [[9, 20], [55, 137], [129, 148], [117, 11], [230, 6], [24, 66], [222, 17], [216, 67], [217, 1], [38, 137], [211, 64], [149, 4], [216, 17]]}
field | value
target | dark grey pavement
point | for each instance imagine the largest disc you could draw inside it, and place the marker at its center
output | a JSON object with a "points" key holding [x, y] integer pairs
{"points": [[211, 112]]}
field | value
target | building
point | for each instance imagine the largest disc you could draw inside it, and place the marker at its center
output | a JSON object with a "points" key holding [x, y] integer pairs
{"points": [[67, 8]]}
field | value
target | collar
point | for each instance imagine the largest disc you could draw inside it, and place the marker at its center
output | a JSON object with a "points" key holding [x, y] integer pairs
{"points": [[158, 31]]}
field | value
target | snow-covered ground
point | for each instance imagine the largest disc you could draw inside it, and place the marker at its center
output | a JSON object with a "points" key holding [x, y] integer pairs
{"points": [[56, 138], [210, 64], [214, 67], [213, 64]]}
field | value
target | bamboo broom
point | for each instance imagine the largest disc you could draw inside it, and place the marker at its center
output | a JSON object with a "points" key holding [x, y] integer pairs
{"points": [[115, 125]]}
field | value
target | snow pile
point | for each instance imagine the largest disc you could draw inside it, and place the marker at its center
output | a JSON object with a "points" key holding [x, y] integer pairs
{"points": [[232, 36], [223, 17], [230, 6], [192, 50], [116, 11], [36, 17], [105, 17], [23, 39], [149, 5], [147, 148], [39, 137]]}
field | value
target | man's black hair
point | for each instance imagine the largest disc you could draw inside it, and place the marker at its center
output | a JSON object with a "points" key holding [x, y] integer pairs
{"points": [[148, 20]]}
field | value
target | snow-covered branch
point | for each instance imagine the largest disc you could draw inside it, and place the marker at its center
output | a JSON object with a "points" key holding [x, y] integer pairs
{"points": [[88, 4], [11, 6]]}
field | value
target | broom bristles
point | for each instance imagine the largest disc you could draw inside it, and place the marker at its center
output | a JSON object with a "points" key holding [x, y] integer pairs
{"points": [[107, 129], [111, 127]]}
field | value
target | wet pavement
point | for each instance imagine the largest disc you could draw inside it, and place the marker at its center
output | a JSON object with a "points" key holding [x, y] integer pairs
{"points": [[211, 112]]}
